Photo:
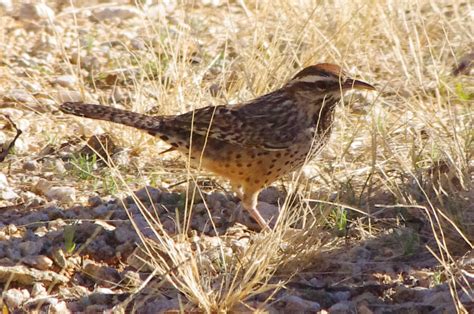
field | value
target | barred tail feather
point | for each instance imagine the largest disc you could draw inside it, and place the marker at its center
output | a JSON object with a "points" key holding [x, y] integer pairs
{"points": [[100, 112]]}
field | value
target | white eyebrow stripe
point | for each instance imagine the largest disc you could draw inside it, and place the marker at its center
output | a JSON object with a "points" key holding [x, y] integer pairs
{"points": [[313, 78]]}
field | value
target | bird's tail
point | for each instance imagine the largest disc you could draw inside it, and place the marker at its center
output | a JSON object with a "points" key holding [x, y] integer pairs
{"points": [[100, 112]]}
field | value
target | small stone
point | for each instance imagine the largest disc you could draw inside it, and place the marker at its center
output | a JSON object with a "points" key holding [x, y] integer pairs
{"points": [[38, 290], [59, 258], [438, 298], [14, 298], [359, 253], [317, 283], [59, 307], [270, 195], [13, 253], [30, 165], [125, 233], [6, 5], [68, 81], [269, 212], [62, 194], [341, 296], [9, 195], [299, 305], [3, 181], [342, 308], [117, 12], [42, 186], [148, 194], [40, 262], [19, 95], [162, 306], [138, 44], [28, 248], [65, 95], [36, 12], [215, 200], [94, 201], [103, 275], [32, 87]]}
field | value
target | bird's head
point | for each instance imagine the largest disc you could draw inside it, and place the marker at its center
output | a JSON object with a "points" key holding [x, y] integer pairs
{"points": [[326, 78]]}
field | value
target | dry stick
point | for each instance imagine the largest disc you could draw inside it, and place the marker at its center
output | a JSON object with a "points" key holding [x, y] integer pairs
{"points": [[4, 153]]}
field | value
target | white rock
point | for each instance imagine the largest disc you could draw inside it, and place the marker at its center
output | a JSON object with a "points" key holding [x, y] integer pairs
{"points": [[66, 81], [36, 12], [19, 95], [59, 307], [14, 114], [6, 5], [3, 182], [9, 195], [118, 12], [38, 290], [32, 87], [6, 192], [68, 95], [14, 298], [62, 194]]}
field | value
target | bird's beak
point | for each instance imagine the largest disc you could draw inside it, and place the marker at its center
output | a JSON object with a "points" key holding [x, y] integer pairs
{"points": [[356, 84]]}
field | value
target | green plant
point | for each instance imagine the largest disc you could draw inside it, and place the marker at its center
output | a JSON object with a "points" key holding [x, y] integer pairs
{"points": [[84, 166]]}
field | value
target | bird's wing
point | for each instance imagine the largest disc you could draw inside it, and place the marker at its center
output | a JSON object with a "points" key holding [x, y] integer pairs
{"points": [[269, 122]]}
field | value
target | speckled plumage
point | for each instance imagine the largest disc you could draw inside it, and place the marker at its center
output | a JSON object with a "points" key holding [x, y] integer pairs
{"points": [[254, 143]]}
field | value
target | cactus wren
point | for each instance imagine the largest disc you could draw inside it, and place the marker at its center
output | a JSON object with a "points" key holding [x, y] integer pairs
{"points": [[253, 143]]}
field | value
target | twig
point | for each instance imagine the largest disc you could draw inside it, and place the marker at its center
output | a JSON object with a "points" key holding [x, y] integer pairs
{"points": [[4, 152]]}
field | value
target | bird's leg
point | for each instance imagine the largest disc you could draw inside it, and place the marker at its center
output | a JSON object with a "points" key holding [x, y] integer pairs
{"points": [[237, 214], [249, 202]]}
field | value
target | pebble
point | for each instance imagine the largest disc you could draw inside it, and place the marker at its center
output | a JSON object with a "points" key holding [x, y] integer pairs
{"points": [[62, 194], [36, 12], [342, 308], [30, 165], [64, 95], [68, 81], [9, 195], [162, 306], [59, 307], [19, 95], [118, 12], [14, 298], [32, 87], [40, 262], [28, 248], [125, 233], [297, 304], [38, 289], [6, 5], [103, 275], [269, 195], [268, 211], [148, 194], [341, 296]]}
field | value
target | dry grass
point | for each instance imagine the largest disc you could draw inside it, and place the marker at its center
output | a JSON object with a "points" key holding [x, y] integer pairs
{"points": [[403, 153]]}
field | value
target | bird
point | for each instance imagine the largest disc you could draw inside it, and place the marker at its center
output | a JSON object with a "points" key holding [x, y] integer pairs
{"points": [[253, 143]]}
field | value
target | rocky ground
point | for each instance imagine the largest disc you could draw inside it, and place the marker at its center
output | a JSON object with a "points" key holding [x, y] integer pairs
{"points": [[88, 228]]}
